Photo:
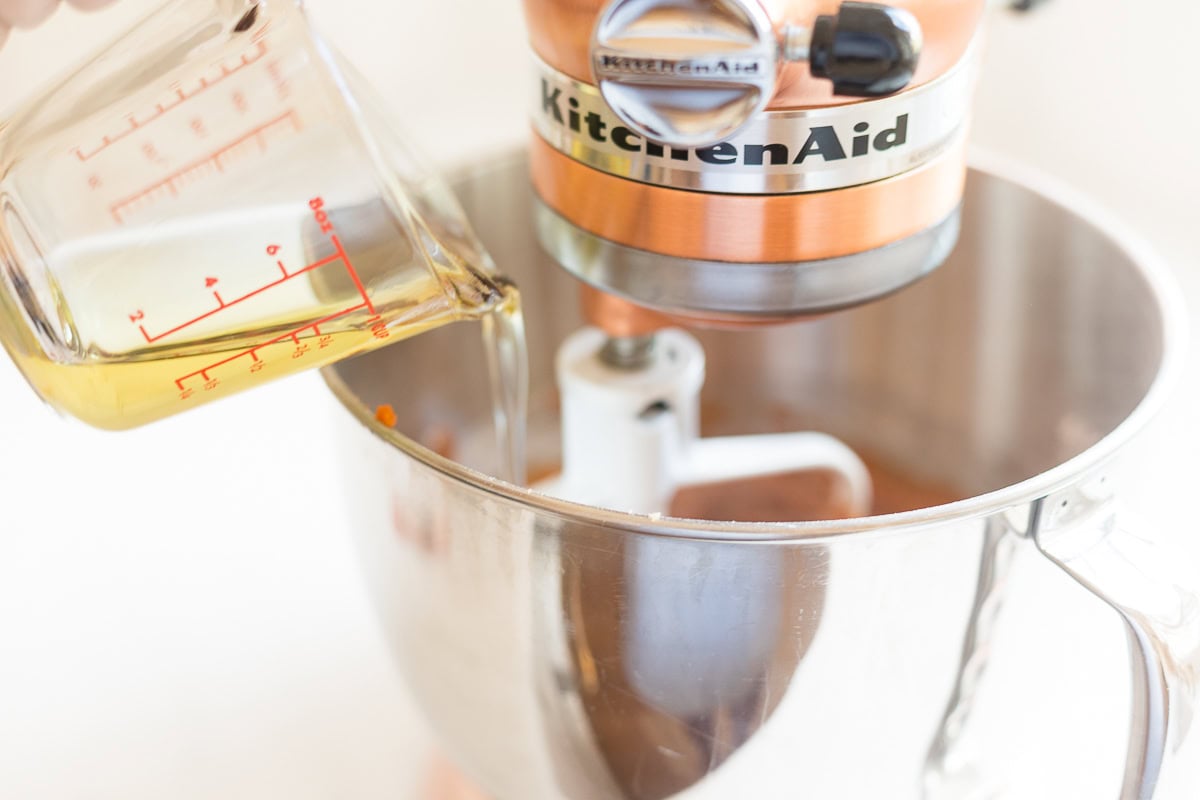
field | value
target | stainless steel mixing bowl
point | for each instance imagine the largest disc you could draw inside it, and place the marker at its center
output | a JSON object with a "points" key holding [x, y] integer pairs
{"points": [[563, 651]]}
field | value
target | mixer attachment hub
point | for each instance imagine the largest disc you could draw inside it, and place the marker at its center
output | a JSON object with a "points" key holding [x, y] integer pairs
{"points": [[631, 429]]}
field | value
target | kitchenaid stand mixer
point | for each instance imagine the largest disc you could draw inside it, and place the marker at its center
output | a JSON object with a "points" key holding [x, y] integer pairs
{"points": [[656, 618], [731, 163], [728, 165]]}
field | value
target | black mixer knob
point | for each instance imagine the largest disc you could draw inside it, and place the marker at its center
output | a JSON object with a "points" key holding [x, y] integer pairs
{"points": [[867, 49]]}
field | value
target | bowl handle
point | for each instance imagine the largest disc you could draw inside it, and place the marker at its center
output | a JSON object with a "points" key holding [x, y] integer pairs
{"points": [[1153, 589], [1083, 531]]}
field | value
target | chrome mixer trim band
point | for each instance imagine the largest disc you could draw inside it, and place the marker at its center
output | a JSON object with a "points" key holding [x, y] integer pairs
{"points": [[778, 152], [723, 290]]}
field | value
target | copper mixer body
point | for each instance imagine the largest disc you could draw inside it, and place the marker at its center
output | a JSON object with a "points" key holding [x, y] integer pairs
{"points": [[667, 244]]}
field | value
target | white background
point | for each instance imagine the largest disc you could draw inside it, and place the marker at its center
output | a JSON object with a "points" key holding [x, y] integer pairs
{"points": [[180, 614]]}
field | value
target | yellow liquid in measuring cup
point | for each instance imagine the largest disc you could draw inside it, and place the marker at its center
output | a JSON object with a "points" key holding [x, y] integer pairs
{"points": [[122, 393], [301, 314]]}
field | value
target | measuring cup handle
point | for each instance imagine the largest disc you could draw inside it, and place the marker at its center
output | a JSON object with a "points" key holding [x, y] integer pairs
{"points": [[1154, 592]]}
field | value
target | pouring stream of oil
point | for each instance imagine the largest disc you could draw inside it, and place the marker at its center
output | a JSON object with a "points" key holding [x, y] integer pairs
{"points": [[508, 370]]}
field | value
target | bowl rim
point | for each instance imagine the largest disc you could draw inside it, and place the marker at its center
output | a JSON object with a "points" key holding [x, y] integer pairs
{"points": [[1142, 257]]}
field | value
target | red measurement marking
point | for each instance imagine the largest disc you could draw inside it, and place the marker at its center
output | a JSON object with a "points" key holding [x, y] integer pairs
{"points": [[259, 51], [262, 32], [315, 326], [358, 284], [203, 373], [172, 182], [282, 91], [243, 298]]}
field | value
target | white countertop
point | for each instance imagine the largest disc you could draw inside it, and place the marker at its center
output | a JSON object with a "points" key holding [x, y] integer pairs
{"points": [[180, 613]]}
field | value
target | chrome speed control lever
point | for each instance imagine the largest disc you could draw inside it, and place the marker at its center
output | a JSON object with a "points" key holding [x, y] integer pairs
{"points": [[690, 73]]}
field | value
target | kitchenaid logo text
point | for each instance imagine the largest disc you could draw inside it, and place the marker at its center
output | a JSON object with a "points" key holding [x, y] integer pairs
{"points": [[775, 152], [822, 143], [625, 65]]}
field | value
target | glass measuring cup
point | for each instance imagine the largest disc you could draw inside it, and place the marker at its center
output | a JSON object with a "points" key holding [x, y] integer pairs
{"points": [[211, 202]]}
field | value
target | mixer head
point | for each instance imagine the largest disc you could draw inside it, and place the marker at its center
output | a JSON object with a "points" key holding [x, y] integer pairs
{"points": [[742, 161]]}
